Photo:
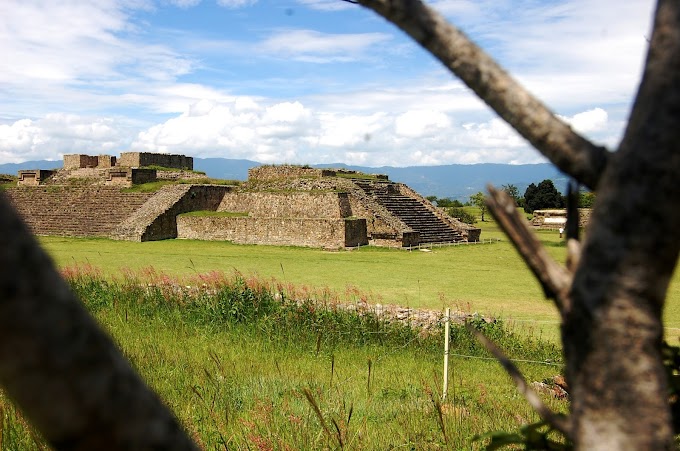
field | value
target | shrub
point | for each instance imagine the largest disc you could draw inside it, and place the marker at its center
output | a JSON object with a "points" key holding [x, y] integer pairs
{"points": [[462, 215]]}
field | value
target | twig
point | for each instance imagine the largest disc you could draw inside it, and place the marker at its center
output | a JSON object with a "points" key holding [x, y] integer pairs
{"points": [[568, 150], [554, 278], [557, 421]]}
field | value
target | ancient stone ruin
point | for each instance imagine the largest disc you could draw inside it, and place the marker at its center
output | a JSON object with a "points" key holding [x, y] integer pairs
{"points": [[557, 218], [282, 205]]}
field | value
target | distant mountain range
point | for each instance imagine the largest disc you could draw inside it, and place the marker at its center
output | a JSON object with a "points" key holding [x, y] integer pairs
{"points": [[457, 181]]}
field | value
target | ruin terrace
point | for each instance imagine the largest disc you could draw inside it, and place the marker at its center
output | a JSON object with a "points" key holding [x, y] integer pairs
{"points": [[279, 205]]}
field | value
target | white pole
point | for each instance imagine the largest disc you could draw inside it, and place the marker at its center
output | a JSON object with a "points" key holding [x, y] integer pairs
{"points": [[446, 353]]}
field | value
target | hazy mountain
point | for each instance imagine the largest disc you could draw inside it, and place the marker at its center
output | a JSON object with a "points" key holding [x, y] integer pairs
{"points": [[223, 168], [457, 181], [13, 168]]}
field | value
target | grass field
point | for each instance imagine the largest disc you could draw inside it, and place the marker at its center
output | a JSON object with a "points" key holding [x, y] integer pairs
{"points": [[242, 370], [304, 379], [486, 278]]}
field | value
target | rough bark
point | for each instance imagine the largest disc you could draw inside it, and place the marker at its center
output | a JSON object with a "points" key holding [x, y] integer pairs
{"points": [[568, 150], [612, 311], [612, 335], [58, 365]]}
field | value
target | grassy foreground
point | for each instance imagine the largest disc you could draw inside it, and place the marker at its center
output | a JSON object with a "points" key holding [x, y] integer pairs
{"points": [[488, 278], [243, 367]]}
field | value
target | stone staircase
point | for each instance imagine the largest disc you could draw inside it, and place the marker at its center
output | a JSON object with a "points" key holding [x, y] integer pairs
{"points": [[74, 211], [411, 212], [136, 225]]}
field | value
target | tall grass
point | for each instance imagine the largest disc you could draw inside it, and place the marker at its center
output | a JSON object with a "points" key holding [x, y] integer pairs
{"points": [[247, 363]]}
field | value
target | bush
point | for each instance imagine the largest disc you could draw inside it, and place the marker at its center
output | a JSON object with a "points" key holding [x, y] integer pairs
{"points": [[462, 215]]}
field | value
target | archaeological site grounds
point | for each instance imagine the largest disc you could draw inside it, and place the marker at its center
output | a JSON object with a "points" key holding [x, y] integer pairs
{"points": [[282, 205], [301, 308]]}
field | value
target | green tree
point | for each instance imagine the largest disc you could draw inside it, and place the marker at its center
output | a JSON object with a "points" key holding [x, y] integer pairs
{"points": [[447, 202], [479, 201], [586, 199], [545, 195], [462, 215], [512, 191]]}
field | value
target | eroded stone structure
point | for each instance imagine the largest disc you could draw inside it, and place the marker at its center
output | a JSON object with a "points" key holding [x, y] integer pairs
{"points": [[557, 218], [283, 205], [141, 159], [290, 196], [34, 177], [129, 176]]}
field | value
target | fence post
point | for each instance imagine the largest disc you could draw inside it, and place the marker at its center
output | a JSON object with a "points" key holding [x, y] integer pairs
{"points": [[446, 353]]}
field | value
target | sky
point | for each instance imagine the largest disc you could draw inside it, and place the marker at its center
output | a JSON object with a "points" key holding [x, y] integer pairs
{"points": [[302, 81]]}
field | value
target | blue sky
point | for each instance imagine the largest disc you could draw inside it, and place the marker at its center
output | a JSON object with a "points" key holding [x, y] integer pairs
{"points": [[301, 81]]}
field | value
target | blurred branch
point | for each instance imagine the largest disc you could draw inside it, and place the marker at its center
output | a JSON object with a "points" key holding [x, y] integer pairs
{"points": [[555, 279], [64, 372], [569, 151]]}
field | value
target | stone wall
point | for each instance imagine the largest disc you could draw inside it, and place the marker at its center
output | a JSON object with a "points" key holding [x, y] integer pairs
{"points": [[285, 171], [75, 161], [74, 211], [129, 176], [138, 159], [157, 219], [34, 177], [332, 233], [557, 218], [288, 204], [106, 161]]}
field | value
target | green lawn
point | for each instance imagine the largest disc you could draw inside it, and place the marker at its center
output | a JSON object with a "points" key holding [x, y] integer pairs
{"points": [[236, 375], [486, 278]]}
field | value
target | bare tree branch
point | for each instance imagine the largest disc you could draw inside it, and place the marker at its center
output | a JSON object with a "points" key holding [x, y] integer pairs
{"points": [[559, 422], [64, 372], [555, 279], [569, 151], [573, 254]]}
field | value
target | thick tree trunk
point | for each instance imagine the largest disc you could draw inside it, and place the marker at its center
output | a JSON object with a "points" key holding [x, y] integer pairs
{"points": [[612, 336]]}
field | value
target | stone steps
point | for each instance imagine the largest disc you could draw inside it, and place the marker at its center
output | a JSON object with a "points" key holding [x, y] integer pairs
{"points": [[74, 211], [411, 212]]}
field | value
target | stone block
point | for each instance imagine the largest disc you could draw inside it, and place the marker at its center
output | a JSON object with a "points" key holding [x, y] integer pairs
{"points": [[33, 177]]}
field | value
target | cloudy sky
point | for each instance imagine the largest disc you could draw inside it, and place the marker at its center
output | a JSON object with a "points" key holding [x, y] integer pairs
{"points": [[301, 81]]}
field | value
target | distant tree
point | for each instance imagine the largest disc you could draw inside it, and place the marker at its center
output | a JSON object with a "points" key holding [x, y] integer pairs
{"points": [[447, 202], [512, 191], [586, 199], [432, 199], [461, 215], [479, 201], [545, 195]]}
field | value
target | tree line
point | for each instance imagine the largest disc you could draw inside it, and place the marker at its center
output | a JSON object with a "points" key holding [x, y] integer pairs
{"points": [[541, 196]]}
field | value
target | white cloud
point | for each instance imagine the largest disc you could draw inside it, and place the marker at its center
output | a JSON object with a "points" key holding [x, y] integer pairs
{"points": [[80, 48], [342, 131], [588, 121], [185, 3], [416, 124], [494, 134], [316, 47], [233, 4], [57, 134], [94, 63], [327, 5]]}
